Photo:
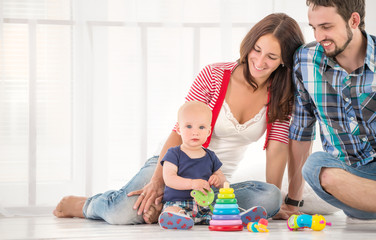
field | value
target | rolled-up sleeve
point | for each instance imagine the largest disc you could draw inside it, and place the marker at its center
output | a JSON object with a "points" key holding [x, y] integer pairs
{"points": [[303, 122]]}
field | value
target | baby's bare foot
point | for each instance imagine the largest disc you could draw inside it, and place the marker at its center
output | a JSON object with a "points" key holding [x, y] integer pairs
{"points": [[152, 215], [70, 206]]}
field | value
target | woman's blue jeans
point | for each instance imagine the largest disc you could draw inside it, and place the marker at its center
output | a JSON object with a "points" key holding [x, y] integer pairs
{"points": [[115, 207], [311, 173]]}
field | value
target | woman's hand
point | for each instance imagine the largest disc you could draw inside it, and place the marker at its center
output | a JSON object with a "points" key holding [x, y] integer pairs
{"points": [[149, 194], [286, 211]]}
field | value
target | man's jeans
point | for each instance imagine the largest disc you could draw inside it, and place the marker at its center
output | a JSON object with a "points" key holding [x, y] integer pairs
{"points": [[311, 172]]}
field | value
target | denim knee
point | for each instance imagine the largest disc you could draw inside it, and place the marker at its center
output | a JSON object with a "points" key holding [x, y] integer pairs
{"points": [[312, 167], [273, 200], [254, 193], [123, 214], [115, 207]]}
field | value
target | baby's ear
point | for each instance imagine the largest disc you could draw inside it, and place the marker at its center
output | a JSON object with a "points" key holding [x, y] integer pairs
{"points": [[178, 128]]}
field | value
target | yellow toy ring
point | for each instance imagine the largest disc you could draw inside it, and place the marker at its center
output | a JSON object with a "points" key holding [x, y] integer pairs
{"points": [[226, 190], [226, 195]]}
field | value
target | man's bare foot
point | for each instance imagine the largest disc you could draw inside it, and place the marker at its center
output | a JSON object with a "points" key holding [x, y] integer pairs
{"points": [[70, 206], [152, 215]]}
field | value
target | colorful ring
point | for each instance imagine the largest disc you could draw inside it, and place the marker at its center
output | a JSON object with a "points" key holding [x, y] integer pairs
{"points": [[226, 211], [226, 190], [226, 228], [226, 217], [226, 201], [226, 195], [225, 206], [225, 222], [251, 227]]}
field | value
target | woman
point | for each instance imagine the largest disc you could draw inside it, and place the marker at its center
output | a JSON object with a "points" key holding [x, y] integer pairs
{"points": [[247, 97]]}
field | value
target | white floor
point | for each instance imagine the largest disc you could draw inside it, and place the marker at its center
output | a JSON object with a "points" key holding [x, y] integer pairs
{"points": [[49, 227]]}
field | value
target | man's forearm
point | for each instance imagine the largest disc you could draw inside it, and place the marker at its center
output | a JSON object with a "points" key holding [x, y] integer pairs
{"points": [[299, 152]]}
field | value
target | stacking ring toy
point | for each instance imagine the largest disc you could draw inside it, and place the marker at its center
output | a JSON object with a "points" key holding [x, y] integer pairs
{"points": [[225, 222], [226, 201], [226, 211], [226, 228], [226, 190], [225, 206], [226, 217], [226, 195]]}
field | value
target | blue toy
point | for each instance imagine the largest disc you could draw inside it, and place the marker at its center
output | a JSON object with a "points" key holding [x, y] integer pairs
{"points": [[315, 222]]}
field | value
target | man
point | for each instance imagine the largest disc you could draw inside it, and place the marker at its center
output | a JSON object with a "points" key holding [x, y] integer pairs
{"points": [[335, 83]]}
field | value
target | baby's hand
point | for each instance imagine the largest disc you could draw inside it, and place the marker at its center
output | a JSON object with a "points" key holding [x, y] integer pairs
{"points": [[201, 185], [215, 181]]}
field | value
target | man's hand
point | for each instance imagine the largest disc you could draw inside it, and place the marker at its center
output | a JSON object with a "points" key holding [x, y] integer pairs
{"points": [[286, 211], [149, 194]]}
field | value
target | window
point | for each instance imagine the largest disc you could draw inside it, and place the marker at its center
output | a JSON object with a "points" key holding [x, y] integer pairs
{"points": [[88, 89]]}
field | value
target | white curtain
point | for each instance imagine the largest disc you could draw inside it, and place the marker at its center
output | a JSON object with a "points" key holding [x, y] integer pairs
{"points": [[89, 88]]}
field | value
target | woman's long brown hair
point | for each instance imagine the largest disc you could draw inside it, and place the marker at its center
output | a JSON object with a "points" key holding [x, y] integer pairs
{"points": [[287, 31]]}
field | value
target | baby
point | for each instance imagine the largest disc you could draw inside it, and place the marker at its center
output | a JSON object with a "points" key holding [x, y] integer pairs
{"points": [[189, 167]]}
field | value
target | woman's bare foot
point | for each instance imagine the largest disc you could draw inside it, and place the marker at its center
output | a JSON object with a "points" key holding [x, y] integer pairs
{"points": [[152, 215], [70, 206]]}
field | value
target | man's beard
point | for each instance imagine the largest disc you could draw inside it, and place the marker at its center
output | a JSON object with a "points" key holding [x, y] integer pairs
{"points": [[340, 50]]}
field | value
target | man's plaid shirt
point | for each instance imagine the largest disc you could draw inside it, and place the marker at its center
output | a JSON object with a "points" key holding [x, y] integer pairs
{"points": [[343, 104]]}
